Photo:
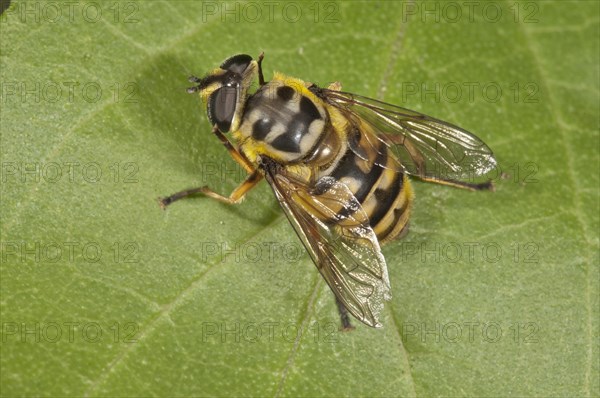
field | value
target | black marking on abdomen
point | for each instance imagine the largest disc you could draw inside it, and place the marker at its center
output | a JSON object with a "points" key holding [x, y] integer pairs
{"points": [[348, 167], [386, 199], [398, 212]]}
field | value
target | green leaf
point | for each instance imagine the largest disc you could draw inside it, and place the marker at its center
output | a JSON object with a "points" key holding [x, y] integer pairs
{"points": [[105, 294]]}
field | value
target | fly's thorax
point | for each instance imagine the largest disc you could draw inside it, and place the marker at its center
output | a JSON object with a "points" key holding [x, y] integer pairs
{"points": [[283, 120]]}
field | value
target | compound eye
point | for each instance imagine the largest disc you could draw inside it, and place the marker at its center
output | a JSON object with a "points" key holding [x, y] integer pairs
{"points": [[237, 63], [221, 107]]}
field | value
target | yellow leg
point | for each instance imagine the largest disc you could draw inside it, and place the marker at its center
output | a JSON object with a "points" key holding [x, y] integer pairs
{"points": [[238, 194], [483, 186], [235, 197], [235, 154]]}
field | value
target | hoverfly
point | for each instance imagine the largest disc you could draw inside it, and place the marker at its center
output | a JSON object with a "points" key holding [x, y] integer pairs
{"points": [[338, 164]]}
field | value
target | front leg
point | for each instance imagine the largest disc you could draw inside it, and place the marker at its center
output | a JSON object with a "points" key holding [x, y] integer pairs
{"points": [[235, 154], [235, 197]]}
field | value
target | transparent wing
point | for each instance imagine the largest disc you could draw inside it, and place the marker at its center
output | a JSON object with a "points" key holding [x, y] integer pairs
{"points": [[424, 146], [336, 232]]}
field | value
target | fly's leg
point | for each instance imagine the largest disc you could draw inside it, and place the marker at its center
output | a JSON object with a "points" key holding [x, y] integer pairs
{"points": [[237, 195], [346, 325], [235, 154], [482, 186]]}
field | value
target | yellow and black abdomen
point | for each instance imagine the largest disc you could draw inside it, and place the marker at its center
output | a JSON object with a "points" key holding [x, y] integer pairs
{"points": [[369, 170]]}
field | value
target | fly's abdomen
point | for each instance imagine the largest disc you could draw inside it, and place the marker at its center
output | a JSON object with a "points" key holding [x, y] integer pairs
{"points": [[371, 175]]}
